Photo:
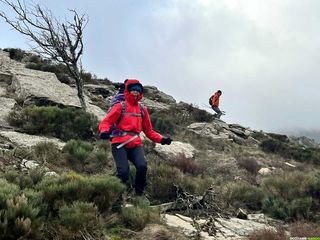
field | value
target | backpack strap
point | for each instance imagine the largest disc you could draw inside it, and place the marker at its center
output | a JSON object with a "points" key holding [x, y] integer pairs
{"points": [[119, 132]]}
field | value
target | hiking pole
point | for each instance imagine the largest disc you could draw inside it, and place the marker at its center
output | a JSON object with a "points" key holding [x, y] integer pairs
{"points": [[126, 142]]}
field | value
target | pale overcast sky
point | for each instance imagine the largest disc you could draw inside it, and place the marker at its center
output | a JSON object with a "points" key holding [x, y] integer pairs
{"points": [[263, 55]]}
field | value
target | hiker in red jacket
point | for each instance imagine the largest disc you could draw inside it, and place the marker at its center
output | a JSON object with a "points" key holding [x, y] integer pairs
{"points": [[123, 125], [215, 103]]}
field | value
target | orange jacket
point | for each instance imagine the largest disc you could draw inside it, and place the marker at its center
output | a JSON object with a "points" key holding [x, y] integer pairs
{"points": [[129, 122], [215, 99]]}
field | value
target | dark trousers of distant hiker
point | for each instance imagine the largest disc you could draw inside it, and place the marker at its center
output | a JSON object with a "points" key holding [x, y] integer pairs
{"points": [[136, 156], [217, 110]]}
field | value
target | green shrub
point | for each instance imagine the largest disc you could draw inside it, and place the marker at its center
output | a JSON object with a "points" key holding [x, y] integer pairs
{"points": [[291, 195], [285, 210], [162, 124], [200, 115], [288, 186], [48, 152], [164, 181], [243, 194], [286, 150], [66, 123], [15, 53], [273, 146], [24, 179], [19, 219], [76, 152], [84, 157], [7, 191], [103, 191], [80, 216], [139, 215]]}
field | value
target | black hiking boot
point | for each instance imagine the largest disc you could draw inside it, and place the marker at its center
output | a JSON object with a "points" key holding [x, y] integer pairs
{"points": [[118, 204]]}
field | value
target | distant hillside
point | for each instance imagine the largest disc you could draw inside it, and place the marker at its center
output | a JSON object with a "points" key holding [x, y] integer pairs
{"points": [[309, 133]]}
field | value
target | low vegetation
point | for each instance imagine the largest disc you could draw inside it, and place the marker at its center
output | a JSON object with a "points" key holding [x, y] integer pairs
{"points": [[286, 150], [63, 123]]}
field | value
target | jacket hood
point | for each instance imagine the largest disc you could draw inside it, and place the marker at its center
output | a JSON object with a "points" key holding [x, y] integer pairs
{"points": [[128, 95]]}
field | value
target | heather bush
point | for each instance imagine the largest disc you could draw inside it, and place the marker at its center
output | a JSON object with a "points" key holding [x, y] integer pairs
{"points": [[243, 194], [76, 152], [103, 191], [301, 229], [80, 216], [84, 157], [291, 196], [269, 234], [19, 219], [66, 123], [23, 180], [286, 150], [188, 165], [288, 186], [7, 191], [296, 209], [139, 215], [15, 53], [250, 164], [164, 181], [162, 123], [48, 152]]}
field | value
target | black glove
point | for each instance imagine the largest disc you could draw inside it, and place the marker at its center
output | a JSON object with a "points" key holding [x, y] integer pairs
{"points": [[104, 136], [166, 140]]}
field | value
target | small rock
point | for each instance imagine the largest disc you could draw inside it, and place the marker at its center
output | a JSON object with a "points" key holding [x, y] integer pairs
{"points": [[241, 214]]}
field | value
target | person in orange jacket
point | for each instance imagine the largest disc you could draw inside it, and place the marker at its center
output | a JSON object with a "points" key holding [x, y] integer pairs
{"points": [[130, 118], [215, 103]]}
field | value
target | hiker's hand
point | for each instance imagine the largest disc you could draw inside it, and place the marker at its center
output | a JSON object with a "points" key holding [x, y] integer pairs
{"points": [[166, 141], [104, 136]]}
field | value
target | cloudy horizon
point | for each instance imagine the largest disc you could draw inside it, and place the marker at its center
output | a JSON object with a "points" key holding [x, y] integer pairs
{"points": [[263, 55]]}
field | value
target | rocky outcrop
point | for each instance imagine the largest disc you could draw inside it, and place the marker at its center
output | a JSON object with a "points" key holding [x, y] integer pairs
{"points": [[175, 150], [32, 87], [7, 104], [154, 104], [233, 228], [100, 90], [154, 94], [218, 129], [25, 140]]}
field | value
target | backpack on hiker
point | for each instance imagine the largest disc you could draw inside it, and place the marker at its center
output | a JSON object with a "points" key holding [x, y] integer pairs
{"points": [[210, 100]]}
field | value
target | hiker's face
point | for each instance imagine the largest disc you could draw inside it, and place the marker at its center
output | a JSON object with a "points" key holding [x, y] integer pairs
{"points": [[135, 93]]}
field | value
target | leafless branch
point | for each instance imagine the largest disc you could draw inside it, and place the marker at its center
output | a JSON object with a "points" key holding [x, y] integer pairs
{"points": [[62, 42]]}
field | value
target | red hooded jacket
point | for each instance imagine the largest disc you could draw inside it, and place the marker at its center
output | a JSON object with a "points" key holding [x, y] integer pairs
{"points": [[129, 122]]}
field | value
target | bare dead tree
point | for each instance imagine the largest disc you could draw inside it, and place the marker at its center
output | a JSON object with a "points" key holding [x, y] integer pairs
{"points": [[60, 41]]}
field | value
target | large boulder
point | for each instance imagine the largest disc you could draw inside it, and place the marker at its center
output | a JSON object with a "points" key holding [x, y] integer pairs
{"points": [[154, 104], [233, 228], [213, 130], [175, 150], [26, 140]]}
